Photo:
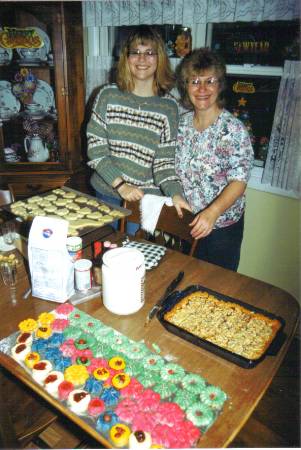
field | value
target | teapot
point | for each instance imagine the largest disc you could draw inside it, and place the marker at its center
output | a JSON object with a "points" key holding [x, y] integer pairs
{"points": [[36, 150]]}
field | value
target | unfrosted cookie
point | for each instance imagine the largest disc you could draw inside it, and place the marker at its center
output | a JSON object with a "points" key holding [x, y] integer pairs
{"points": [[21, 212], [95, 215], [50, 209], [104, 208], [62, 211], [45, 204], [92, 202], [86, 211], [61, 202], [50, 197], [73, 206], [71, 216], [69, 195], [58, 191], [34, 199], [116, 213], [81, 200], [18, 204], [106, 218]]}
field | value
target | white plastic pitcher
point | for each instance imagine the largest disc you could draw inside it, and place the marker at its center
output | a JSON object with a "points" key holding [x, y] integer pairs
{"points": [[123, 274]]}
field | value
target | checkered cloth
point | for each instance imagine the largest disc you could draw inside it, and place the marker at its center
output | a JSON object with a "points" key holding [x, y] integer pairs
{"points": [[152, 252]]}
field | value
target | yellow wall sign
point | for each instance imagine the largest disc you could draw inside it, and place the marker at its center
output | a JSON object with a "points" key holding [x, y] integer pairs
{"points": [[20, 38], [242, 87]]}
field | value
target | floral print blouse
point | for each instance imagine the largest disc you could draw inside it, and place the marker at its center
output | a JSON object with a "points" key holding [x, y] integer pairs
{"points": [[206, 161]]}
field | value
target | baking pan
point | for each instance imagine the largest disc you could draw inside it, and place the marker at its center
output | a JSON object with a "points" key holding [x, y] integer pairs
{"points": [[82, 232], [246, 363]]}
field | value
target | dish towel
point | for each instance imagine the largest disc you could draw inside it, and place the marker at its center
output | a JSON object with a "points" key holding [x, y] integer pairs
{"points": [[150, 208]]}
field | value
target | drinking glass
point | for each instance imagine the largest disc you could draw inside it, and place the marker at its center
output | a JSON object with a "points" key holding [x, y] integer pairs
{"points": [[8, 232], [9, 273]]}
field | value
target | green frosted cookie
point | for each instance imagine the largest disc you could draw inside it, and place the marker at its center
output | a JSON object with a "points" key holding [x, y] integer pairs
{"points": [[165, 390], [213, 396], [172, 373]]}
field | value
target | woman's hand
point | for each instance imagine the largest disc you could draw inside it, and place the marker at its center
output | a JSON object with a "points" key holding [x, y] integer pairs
{"points": [[179, 203], [130, 193], [203, 223]]}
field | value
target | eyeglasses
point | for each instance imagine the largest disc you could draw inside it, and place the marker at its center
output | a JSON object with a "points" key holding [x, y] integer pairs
{"points": [[208, 83], [148, 54]]}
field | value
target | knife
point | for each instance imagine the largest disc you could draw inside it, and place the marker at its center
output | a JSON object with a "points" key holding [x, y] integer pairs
{"points": [[168, 291]]}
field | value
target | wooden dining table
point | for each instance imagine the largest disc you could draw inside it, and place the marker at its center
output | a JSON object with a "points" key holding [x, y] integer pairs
{"points": [[243, 386]]}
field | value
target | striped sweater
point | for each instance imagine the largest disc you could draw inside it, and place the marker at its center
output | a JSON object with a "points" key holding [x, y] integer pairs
{"points": [[134, 138]]}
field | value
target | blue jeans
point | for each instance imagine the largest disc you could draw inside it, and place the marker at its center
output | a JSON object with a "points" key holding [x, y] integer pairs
{"points": [[131, 227], [221, 246]]}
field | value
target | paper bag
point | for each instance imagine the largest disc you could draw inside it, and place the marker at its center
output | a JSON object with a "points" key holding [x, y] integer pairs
{"points": [[51, 269]]}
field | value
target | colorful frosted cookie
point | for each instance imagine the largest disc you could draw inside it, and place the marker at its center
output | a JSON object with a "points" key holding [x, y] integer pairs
{"points": [[200, 415], [193, 383], [43, 332], [31, 358], [62, 311], [101, 373], [121, 380], [96, 407], [28, 325], [149, 378], [165, 389], [64, 389], [153, 362], [77, 374], [110, 396], [40, 370], [105, 421], [213, 396], [24, 338], [84, 341], [52, 382], [137, 351], [120, 434], [93, 386], [20, 351], [185, 398], [59, 324], [84, 360], [140, 439], [117, 363], [78, 401], [46, 318], [126, 409], [172, 373]]}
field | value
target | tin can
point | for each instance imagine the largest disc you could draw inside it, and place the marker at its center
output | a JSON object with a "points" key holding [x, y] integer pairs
{"points": [[75, 247], [83, 274]]}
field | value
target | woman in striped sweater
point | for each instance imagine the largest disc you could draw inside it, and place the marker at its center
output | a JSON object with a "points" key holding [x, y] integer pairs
{"points": [[133, 126]]}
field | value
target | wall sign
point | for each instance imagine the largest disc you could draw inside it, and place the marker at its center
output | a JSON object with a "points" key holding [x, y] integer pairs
{"points": [[20, 38]]}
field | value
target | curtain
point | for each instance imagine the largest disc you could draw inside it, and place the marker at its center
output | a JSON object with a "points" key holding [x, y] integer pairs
{"points": [[283, 164], [133, 12]]}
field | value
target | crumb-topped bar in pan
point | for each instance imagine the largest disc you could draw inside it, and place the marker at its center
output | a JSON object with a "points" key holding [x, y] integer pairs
{"points": [[226, 324]]}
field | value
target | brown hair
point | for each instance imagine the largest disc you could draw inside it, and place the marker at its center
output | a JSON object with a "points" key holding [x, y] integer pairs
{"points": [[197, 62], [164, 79]]}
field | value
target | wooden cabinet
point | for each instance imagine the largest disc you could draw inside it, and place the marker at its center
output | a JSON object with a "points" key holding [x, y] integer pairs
{"points": [[41, 94]]}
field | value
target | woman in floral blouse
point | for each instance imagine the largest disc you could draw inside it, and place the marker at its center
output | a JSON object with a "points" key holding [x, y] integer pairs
{"points": [[214, 158]]}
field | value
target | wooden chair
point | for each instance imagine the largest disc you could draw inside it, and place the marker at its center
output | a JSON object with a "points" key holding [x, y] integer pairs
{"points": [[169, 225]]}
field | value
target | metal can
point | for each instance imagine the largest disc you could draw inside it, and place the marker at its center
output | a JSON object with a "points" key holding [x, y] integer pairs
{"points": [[83, 274], [75, 247]]}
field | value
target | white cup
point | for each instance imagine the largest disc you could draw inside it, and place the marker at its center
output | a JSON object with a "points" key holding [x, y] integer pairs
{"points": [[83, 274]]}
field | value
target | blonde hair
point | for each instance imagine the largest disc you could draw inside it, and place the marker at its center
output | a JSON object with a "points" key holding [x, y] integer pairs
{"points": [[164, 79], [196, 63]]}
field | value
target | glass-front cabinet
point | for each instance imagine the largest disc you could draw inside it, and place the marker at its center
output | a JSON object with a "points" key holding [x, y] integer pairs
{"points": [[41, 94]]}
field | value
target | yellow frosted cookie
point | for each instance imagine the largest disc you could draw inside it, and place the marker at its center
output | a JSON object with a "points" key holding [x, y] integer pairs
{"points": [[32, 358], [77, 374], [43, 331], [28, 325], [46, 318]]}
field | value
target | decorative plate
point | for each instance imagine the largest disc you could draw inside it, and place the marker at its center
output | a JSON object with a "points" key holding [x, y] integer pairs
{"points": [[7, 98], [6, 55], [40, 54], [44, 96]]}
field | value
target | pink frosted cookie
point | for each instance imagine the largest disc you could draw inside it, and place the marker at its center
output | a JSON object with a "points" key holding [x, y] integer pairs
{"points": [[143, 421], [133, 389], [67, 348], [189, 432], [96, 407], [148, 400], [169, 413], [127, 409], [162, 435], [64, 389], [59, 325], [63, 310], [97, 362]]}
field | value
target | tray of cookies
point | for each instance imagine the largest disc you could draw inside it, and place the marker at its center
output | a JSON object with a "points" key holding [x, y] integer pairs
{"points": [[227, 327], [84, 212]]}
